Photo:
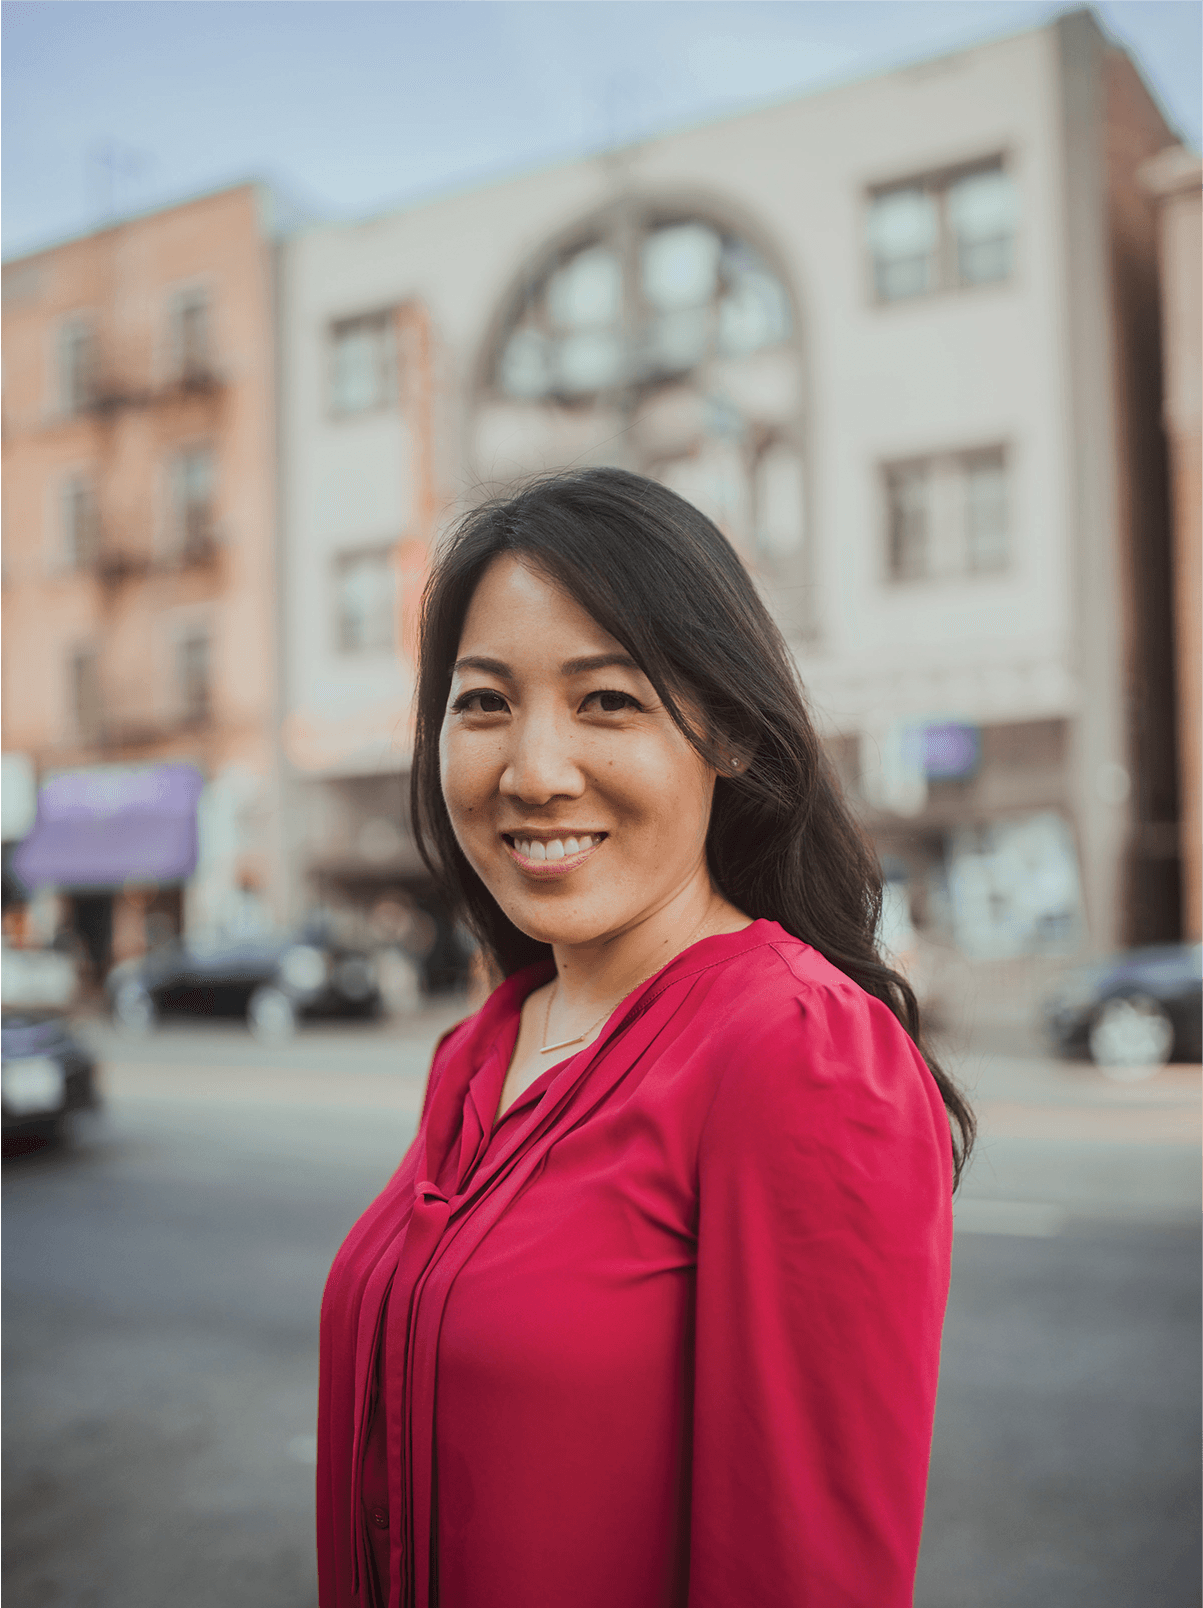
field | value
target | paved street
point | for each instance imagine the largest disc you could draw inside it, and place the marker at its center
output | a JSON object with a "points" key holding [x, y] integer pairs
{"points": [[162, 1279]]}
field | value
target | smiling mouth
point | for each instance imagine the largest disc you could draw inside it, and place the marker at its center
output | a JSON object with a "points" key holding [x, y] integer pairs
{"points": [[564, 851]]}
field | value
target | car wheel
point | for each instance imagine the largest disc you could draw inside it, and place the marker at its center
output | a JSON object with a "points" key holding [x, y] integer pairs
{"points": [[271, 1015], [1131, 1033], [133, 1009]]}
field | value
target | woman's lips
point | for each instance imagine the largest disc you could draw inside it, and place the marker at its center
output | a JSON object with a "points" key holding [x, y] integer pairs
{"points": [[559, 855]]}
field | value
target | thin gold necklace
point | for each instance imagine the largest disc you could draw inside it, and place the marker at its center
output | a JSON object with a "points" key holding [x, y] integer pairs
{"points": [[546, 1049]]}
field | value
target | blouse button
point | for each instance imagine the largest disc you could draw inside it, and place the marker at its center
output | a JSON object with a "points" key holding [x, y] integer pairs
{"points": [[379, 1517]]}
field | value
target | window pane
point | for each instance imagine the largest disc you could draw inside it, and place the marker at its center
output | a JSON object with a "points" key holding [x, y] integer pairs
{"points": [[679, 341], [192, 670], [903, 231], [986, 514], [85, 695], [754, 311], [680, 266], [982, 213], [192, 336], [588, 361], [366, 601], [79, 522], [587, 292], [193, 488], [908, 494], [362, 376], [524, 365], [75, 367]]}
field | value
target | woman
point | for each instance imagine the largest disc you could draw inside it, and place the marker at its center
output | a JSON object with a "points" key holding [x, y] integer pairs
{"points": [[650, 1314]]}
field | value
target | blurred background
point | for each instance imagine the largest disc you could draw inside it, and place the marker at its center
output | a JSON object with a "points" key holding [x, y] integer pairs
{"points": [[906, 296]]}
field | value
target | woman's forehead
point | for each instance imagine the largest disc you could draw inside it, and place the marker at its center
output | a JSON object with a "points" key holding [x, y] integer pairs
{"points": [[520, 605]]}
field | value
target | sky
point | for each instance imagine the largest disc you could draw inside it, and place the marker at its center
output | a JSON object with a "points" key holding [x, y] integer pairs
{"points": [[354, 107]]}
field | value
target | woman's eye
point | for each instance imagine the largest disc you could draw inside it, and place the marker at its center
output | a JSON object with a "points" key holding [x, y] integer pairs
{"points": [[481, 703], [611, 703]]}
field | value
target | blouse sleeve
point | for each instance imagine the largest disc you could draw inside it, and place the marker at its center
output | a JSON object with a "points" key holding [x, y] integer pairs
{"points": [[824, 1239]]}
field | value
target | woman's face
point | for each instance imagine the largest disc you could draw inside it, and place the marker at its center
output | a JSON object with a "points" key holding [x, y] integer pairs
{"points": [[573, 795]]}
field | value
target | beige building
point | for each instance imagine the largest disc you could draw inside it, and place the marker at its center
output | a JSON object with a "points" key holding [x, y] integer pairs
{"points": [[900, 339], [139, 567]]}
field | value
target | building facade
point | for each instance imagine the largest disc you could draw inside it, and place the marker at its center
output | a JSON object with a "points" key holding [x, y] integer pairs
{"points": [[1175, 178], [139, 570], [900, 340]]}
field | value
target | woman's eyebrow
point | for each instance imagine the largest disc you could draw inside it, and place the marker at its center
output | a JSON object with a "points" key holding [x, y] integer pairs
{"points": [[598, 661], [490, 667]]}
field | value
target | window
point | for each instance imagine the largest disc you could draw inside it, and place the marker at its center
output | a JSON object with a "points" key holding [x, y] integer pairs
{"points": [[79, 524], [190, 337], [75, 366], [192, 502], [642, 308], [909, 493], [943, 232], [366, 601], [947, 516], [364, 358], [84, 692], [193, 675]]}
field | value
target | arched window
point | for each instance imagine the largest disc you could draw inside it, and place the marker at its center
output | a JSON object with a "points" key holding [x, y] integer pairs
{"points": [[662, 340]]}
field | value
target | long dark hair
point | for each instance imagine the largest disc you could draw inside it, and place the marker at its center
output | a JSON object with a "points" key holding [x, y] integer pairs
{"points": [[664, 582]]}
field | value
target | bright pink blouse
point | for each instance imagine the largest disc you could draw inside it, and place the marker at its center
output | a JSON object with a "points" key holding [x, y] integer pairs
{"points": [[665, 1336]]}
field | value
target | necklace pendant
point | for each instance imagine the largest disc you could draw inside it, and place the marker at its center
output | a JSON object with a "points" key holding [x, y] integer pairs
{"points": [[546, 1049]]}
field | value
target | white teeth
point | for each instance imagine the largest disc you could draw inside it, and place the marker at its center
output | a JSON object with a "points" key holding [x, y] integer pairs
{"points": [[555, 848]]}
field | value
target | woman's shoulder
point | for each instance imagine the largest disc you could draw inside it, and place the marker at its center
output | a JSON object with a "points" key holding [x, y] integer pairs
{"points": [[803, 1050], [773, 1003], [764, 974]]}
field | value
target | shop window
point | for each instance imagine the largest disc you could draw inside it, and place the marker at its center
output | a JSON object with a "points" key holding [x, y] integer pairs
{"points": [[79, 523], [365, 585], [193, 675], [363, 364], [948, 515], [76, 366], [945, 231], [192, 501]]}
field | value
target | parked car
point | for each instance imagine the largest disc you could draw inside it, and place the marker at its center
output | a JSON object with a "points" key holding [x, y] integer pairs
{"points": [[1140, 1008], [273, 980], [45, 1073]]}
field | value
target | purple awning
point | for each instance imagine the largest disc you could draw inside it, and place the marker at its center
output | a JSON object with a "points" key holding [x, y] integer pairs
{"points": [[103, 827]]}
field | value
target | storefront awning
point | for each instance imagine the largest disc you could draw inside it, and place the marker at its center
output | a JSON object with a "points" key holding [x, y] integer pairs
{"points": [[109, 825]]}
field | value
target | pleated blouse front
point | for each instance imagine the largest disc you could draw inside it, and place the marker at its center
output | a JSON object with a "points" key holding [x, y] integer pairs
{"points": [[665, 1336]]}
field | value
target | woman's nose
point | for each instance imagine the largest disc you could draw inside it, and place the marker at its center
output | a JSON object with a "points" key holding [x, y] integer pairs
{"points": [[541, 764]]}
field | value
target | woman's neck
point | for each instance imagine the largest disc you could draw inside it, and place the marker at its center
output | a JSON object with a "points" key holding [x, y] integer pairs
{"points": [[594, 976]]}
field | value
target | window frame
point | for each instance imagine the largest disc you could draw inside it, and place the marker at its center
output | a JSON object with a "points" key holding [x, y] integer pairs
{"points": [[389, 392], [186, 637], [71, 326], [184, 547], [341, 561], [943, 468], [946, 279]]}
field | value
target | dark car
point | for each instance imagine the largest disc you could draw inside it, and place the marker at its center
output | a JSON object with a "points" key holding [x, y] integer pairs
{"points": [[271, 979], [1140, 1008], [45, 1075]]}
